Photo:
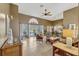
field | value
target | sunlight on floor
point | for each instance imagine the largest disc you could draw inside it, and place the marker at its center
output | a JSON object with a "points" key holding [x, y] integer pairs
{"points": [[31, 47]]}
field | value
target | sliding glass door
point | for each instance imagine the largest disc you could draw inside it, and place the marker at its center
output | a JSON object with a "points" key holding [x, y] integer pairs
{"points": [[24, 30], [35, 29]]}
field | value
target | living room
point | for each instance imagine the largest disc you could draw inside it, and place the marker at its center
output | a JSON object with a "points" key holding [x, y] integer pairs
{"points": [[39, 29]]}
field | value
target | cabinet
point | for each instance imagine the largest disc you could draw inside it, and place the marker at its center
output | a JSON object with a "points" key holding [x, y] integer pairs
{"points": [[8, 49], [11, 50]]}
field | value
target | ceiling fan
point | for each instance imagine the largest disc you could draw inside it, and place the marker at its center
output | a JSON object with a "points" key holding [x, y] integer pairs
{"points": [[47, 13]]}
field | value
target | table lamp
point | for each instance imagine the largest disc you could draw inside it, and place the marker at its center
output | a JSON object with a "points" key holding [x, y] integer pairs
{"points": [[68, 34]]}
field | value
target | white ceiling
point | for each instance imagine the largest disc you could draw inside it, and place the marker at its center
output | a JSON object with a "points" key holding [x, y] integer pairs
{"points": [[34, 9]]}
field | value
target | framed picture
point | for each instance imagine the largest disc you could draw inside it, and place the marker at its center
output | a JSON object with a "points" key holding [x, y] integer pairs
{"points": [[72, 26]]}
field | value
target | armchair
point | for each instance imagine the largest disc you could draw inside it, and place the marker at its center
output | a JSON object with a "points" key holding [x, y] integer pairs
{"points": [[39, 37]]}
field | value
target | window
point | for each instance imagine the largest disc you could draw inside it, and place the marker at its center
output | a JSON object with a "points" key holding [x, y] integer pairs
{"points": [[33, 21]]}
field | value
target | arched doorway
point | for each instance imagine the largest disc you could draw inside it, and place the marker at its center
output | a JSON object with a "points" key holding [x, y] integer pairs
{"points": [[33, 21], [31, 28]]}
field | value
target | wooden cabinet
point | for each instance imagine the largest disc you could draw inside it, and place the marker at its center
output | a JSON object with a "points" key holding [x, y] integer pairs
{"points": [[11, 50], [0, 52]]}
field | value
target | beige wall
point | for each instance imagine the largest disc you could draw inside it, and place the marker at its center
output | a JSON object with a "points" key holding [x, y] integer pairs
{"points": [[57, 22], [26, 18], [71, 16], [4, 8]]}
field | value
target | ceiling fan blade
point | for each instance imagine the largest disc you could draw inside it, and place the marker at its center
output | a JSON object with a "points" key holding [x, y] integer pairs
{"points": [[43, 13], [49, 12]]}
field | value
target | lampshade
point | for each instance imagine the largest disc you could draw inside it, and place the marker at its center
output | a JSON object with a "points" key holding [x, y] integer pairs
{"points": [[67, 33]]}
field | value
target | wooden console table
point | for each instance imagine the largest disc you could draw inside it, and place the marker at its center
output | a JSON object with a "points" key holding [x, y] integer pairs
{"points": [[7, 49], [11, 50], [64, 50]]}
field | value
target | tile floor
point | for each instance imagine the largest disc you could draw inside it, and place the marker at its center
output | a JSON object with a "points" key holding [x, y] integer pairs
{"points": [[31, 47]]}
